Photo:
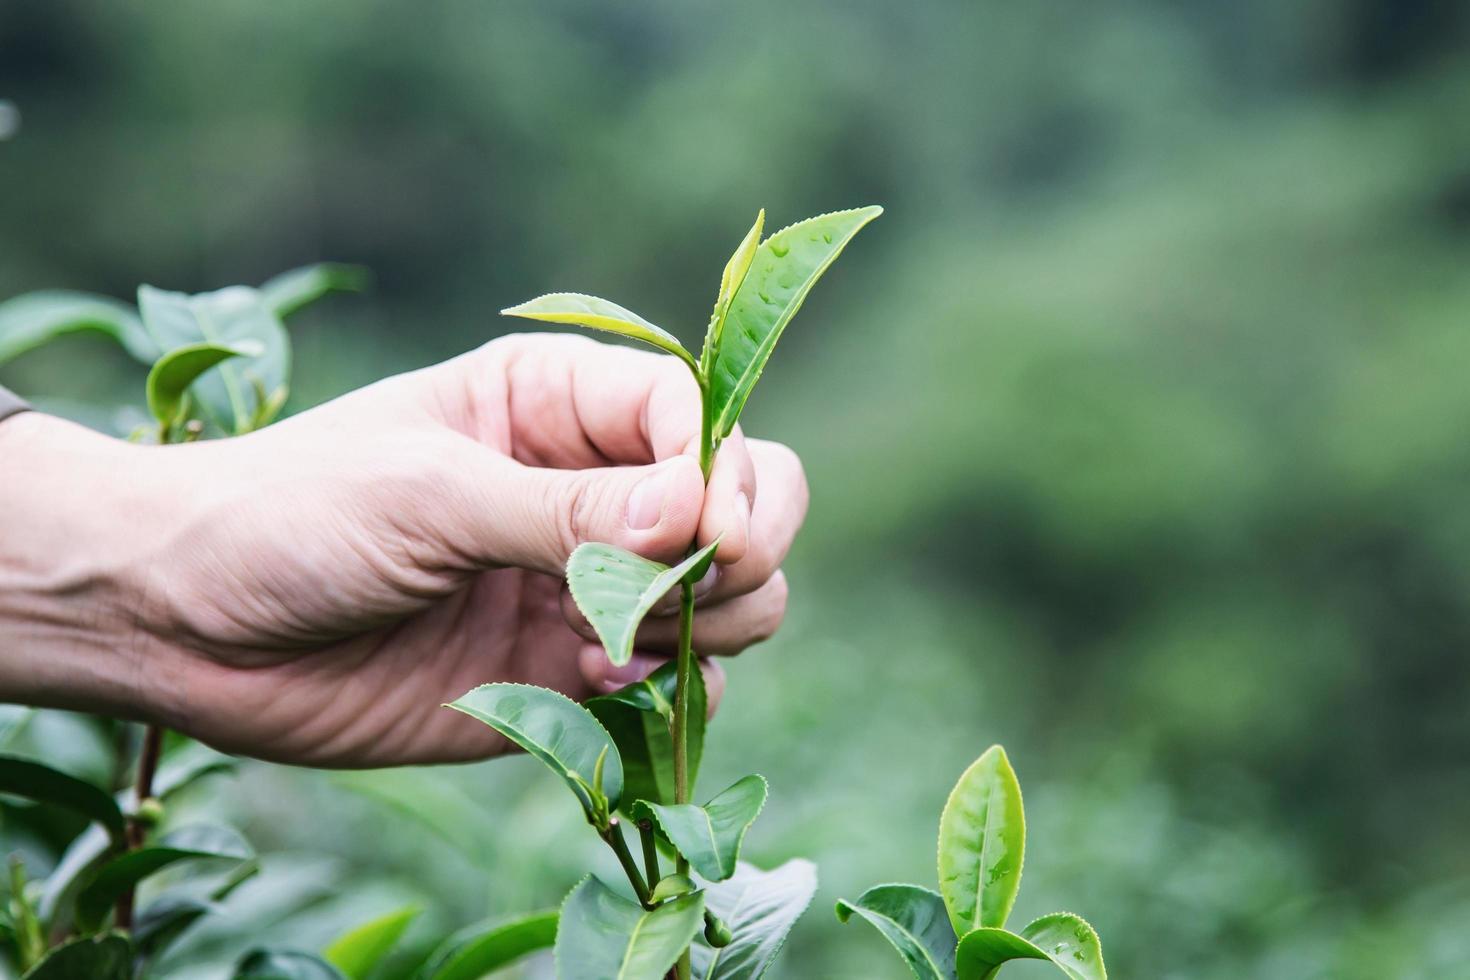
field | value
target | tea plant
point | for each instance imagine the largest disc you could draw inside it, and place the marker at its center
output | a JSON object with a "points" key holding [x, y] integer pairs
{"points": [[960, 934], [636, 752]]}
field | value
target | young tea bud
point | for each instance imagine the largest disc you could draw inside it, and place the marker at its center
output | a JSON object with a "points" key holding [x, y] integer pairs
{"points": [[150, 812], [716, 933]]}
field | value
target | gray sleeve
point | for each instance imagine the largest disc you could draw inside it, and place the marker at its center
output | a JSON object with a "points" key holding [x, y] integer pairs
{"points": [[10, 405]]}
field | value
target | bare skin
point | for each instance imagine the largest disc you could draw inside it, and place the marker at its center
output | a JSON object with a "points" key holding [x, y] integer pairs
{"points": [[313, 592]]}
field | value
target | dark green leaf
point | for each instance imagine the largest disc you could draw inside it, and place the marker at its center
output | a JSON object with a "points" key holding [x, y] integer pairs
{"points": [[108, 957], [359, 950], [555, 729], [638, 717], [914, 921], [760, 907], [615, 589], [709, 836], [599, 314], [982, 843], [277, 964], [785, 268], [167, 918], [230, 394], [479, 950], [174, 372], [604, 936], [109, 881], [34, 319], [82, 857], [36, 781], [290, 291], [1063, 938], [730, 280]]}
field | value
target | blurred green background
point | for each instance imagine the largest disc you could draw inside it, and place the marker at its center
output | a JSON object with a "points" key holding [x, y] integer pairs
{"points": [[1136, 428]]}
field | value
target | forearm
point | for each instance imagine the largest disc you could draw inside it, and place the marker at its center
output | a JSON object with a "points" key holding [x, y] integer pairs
{"points": [[74, 511]]}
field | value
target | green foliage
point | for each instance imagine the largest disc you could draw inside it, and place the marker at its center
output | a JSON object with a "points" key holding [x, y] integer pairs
{"points": [[709, 836], [1063, 938], [236, 394], [36, 319], [785, 268], [358, 951], [174, 372], [269, 964], [639, 717], [615, 589], [112, 879], [759, 907], [735, 271], [914, 920], [37, 781], [558, 731], [959, 936], [291, 291], [105, 957], [480, 949], [599, 314], [604, 936], [982, 843]]}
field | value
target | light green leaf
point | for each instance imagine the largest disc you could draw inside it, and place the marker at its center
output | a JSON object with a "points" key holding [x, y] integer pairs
{"points": [[174, 372], [600, 314], [709, 836], [730, 280], [982, 843], [615, 589], [106, 957], [785, 268], [290, 291], [359, 950], [33, 780], [913, 920], [604, 936], [274, 964], [1063, 938], [110, 880], [555, 729], [671, 886], [638, 718], [472, 953], [35, 319], [760, 907], [182, 767], [229, 395]]}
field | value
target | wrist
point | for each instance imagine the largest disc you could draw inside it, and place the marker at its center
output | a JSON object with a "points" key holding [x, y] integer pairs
{"points": [[75, 512]]}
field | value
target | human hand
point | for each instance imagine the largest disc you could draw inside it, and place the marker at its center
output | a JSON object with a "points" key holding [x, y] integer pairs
{"points": [[313, 592]]}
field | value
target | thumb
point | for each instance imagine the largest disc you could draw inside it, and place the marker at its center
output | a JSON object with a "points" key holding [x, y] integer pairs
{"points": [[532, 517]]}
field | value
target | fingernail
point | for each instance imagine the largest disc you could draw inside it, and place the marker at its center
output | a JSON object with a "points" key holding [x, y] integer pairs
{"points": [[634, 670], [742, 512], [646, 502]]}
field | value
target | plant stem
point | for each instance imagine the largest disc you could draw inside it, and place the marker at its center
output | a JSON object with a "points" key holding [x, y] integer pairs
{"points": [[614, 837], [650, 854], [680, 728], [137, 830]]}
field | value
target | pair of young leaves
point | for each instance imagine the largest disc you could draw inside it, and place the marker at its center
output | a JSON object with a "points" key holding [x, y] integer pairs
{"points": [[761, 289], [183, 338], [97, 868], [960, 932]]}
